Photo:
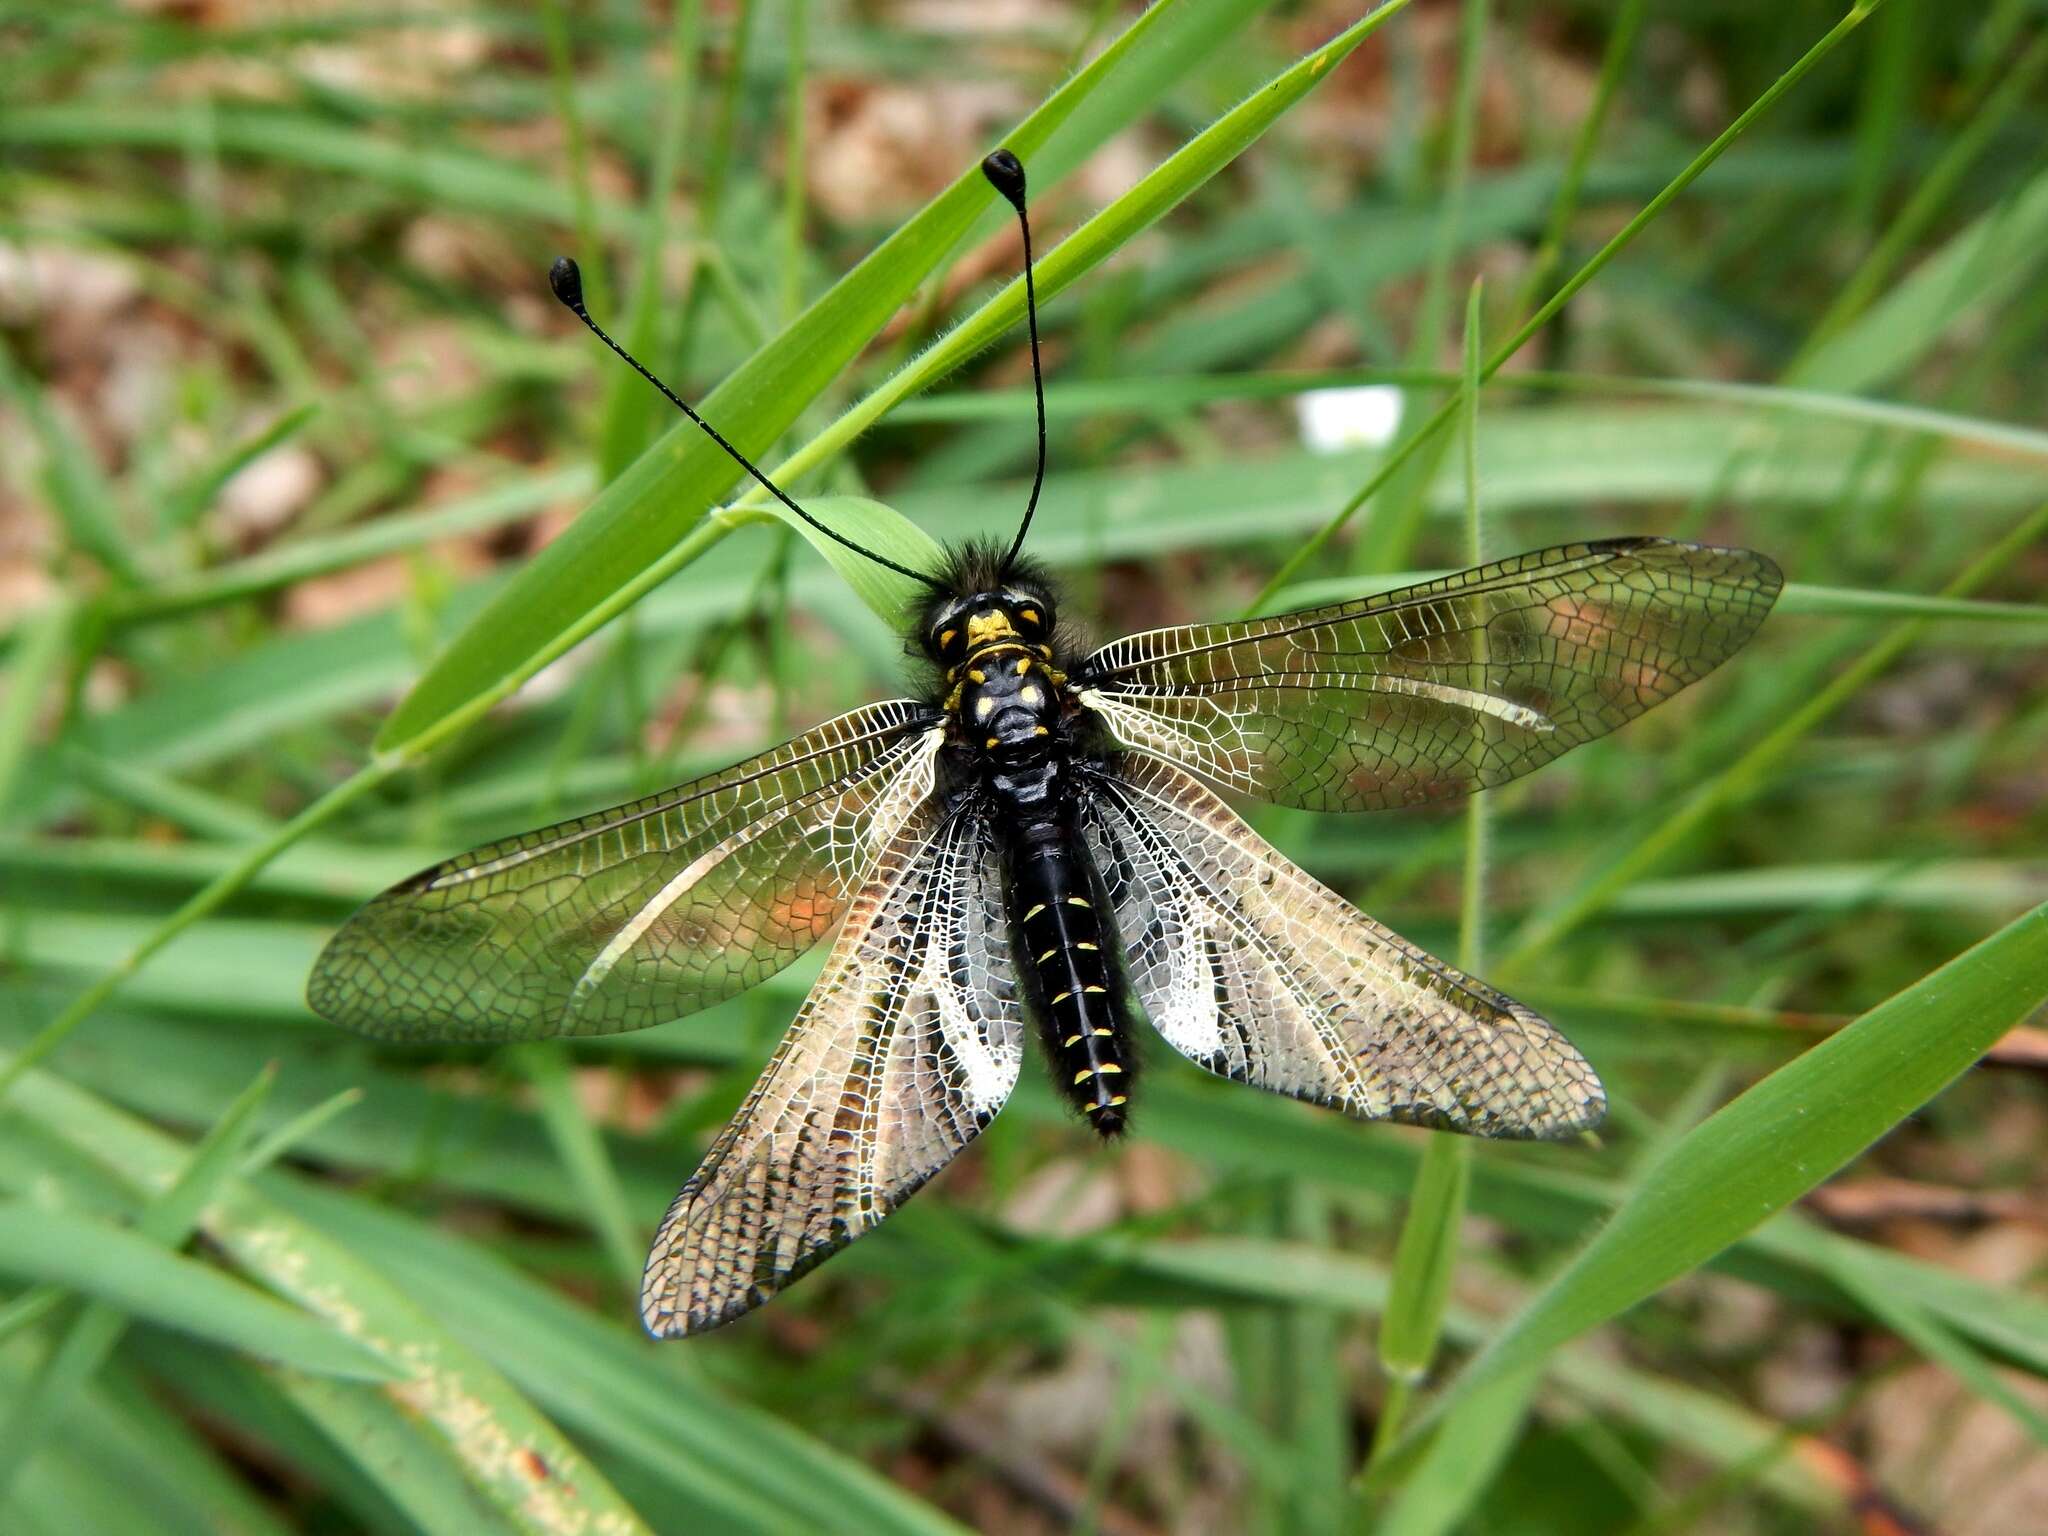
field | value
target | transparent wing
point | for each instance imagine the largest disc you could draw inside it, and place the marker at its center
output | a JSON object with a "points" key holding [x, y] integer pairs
{"points": [[1432, 691], [1255, 971], [905, 1049], [638, 915]]}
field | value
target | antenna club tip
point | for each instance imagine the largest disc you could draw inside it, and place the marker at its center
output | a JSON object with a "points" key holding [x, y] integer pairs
{"points": [[566, 278], [1005, 172]]}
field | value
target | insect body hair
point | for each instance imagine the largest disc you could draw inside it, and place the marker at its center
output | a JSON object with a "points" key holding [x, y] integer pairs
{"points": [[977, 567]]}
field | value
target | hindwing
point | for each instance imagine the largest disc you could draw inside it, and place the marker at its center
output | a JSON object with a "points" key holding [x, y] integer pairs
{"points": [[904, 1050], [1255, 971]]}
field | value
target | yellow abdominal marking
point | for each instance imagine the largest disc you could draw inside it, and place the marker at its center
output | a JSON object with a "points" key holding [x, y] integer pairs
{"points": [[1084, 1074], [1077, 901], [1101, 1031], [1095, 989], [1070, 1040], [1034, 912], [1084, 944], [1107, 1067], [1060, 999], [1048, 954]]}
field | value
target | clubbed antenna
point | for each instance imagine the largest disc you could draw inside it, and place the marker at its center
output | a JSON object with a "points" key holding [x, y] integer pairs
{"points": [[566, 278], [1005, 172]]}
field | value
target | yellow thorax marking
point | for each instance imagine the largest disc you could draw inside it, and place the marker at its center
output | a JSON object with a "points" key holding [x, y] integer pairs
{"points": [[987, 627]]}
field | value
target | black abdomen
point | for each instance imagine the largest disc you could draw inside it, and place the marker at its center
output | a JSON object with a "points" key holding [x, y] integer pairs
{"points": [[1070, 977]]}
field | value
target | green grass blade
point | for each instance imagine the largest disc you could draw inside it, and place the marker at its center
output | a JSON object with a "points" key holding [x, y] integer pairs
{"points": [[298, 1128], [1651, 210], [584, 1156], [77, 488], [593, 1374], [1427, 1252], [38, 660], [1542, 931], [1941, 1344], [891, 597], [600, 565], [168, 1220], [451, 1399], [1999, 252], [436, 177], [141, 1278], [1779, 1140], [1166, 395], [1614, 58], [316, 556], [628, 407], [796, 40], [188, 500], [554, 27], [1423, 1263], [1094, 242], [210, 898], [382, 1439], [1229, 1270], [1462, 1460], [2014, 88], [1389, 536]]}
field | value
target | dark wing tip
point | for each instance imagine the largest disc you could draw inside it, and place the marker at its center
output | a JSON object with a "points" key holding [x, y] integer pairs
{"points": [[1574, 1101], [663, 1322]]}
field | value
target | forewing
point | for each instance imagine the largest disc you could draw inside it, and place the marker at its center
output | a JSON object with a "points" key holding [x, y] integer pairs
{"points": [[905, 1049], [1432, 691], [640, 914], [1255, 971]]}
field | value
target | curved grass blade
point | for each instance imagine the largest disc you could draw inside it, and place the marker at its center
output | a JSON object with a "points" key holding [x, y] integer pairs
{"points": [[1175, 394], [1427, 1252], [1156, 195], [1995, 254], [1462, 1462], [1777, 1141], [1447, 412], [468, 1415], [92, 1335], [592, 1374], [136, 1276], [1595, 890], [594, 569], [890, 596], [384, 1443]]}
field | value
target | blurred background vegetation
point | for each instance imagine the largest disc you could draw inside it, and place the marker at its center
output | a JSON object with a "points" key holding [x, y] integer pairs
{"points": [[284, 405]]}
